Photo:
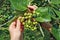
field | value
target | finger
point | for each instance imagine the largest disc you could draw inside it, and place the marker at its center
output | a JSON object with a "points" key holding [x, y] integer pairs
{"points": [[18, 24], [32, 7], [12, 26], [21, 27], [35, 7]]}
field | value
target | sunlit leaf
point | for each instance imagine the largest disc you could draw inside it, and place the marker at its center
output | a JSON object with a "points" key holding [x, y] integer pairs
{"points": [[44, 14]]}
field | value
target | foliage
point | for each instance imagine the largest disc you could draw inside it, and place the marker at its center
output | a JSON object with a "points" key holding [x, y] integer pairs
{"points": [[47, 11]]}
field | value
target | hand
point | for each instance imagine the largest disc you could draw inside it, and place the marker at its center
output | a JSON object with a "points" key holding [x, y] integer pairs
{"points": [[15, 30], [32, 8]]}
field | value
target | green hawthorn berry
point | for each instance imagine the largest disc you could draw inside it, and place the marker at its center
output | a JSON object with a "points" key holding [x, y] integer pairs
{"points": [[34, 22], [29, 21], [29, 16], [32, 29], [23, 23], [33, 11], [25, 14], [27, 25], [26, 17], [22, 19], [35, 28]]}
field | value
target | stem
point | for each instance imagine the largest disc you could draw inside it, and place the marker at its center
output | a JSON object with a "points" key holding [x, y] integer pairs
{"points": [[41, 30], [9, 21]]}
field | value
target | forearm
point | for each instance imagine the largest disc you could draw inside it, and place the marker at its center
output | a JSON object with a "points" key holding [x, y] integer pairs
{"points": [[15, 38]]}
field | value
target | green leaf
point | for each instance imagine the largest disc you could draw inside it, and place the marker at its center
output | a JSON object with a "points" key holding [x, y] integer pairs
{"points": [[56, 33], [20, 5], [47, 34], [53, 13], [55, 1], [40, 19], [1, 12], [58, 13], [44, 14]]}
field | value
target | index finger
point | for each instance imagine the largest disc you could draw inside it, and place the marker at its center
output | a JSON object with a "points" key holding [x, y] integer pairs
{"points": [[18, 24]]}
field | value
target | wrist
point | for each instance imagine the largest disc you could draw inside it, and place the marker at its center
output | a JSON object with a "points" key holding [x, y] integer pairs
{"points": [[15, 38]]}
